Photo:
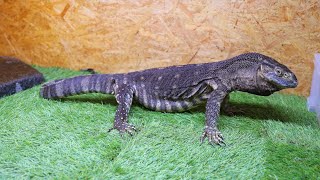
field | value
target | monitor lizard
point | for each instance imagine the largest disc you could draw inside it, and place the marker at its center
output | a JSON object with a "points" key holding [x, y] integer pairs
{"points": [[180, 88]]}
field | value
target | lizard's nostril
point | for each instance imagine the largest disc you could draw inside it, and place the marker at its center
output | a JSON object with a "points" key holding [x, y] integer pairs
{"points": [[294, 84]]}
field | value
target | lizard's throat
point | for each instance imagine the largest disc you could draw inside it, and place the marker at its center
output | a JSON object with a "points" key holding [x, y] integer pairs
{"points": [[245, 84], [251, 85]]}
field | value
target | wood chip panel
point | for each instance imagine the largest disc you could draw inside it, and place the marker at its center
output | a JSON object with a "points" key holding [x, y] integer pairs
{"points": [[121, 36]]}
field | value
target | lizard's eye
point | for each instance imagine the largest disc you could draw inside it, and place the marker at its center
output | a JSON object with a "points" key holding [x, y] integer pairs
{"points": [[278, 72]]}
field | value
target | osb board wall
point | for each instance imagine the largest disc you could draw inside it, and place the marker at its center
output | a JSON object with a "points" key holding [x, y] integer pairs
{"points": [[120, 36]]}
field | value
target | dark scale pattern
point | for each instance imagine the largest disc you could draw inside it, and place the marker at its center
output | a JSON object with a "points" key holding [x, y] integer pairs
{"points": [[179, 88], [124, 97], [79, 85]]}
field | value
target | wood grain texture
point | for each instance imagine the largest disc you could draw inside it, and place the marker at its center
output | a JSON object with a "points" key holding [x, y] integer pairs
{"points": [[121, 36]]}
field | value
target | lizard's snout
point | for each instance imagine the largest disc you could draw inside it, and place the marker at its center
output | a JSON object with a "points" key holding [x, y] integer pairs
{"points": [[294, 82]]}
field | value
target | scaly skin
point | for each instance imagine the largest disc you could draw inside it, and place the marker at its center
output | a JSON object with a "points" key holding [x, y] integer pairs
{"points": [[179, 88]]}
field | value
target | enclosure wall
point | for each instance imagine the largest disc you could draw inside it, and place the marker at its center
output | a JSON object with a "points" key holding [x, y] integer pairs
{"points": [[121, 36]]}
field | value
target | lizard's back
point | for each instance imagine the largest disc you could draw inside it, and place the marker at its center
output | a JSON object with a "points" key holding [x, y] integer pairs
{"points": [[175, 88]]}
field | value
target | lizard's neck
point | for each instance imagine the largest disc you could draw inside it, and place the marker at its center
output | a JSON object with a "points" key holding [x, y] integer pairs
{"points": [[245, 78], [247, 81], [244, 82]]}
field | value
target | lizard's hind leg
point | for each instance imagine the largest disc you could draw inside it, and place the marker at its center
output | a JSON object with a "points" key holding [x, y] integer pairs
{"points": [[124, 97], [230, 110]]}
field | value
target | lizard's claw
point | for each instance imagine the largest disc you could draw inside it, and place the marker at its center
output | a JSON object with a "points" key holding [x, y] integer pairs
{"points": [[129, 128], [214, 136], [125, 128]]}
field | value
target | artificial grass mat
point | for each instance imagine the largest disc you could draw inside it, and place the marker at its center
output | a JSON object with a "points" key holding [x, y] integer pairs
{"points": [[274, 137]]}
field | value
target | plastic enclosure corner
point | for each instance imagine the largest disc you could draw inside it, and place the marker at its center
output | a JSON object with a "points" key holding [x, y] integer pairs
{"points": [[314, 98]]}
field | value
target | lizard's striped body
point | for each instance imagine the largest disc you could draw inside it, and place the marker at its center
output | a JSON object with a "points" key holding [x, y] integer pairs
{"points": [[179, 88], [147, 93]]}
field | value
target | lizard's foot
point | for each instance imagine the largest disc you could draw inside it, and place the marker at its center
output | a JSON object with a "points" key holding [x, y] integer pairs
{"points": [[125, 128], [214, 136]]}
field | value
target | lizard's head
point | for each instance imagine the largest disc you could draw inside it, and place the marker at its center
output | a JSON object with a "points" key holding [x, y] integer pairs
{"points": [[273, 76]]}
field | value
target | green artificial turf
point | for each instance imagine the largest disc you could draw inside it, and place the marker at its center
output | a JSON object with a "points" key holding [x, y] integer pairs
{"points": [[273, 137]]}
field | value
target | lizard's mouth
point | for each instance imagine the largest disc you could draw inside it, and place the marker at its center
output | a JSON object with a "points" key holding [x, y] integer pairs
{"points": [[281, 83], [266, 86], [287, 85]]}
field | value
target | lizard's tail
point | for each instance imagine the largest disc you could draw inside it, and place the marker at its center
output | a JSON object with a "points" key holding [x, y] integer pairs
{"points": [[102, 83]]}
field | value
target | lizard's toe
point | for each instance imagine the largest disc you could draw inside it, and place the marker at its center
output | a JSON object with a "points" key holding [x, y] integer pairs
{"points": [[125, 128], [130, 129], [214, 136]]}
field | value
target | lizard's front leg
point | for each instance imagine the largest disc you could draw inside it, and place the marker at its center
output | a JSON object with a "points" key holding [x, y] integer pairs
{"points": [[212, 114], [124, 97]]}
